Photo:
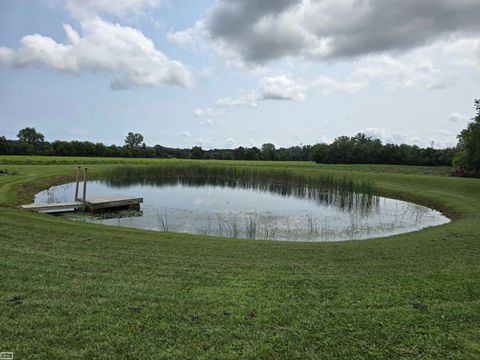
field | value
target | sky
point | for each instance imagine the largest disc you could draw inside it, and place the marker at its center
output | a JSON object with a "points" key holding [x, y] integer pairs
{"points": [[229, 73]]}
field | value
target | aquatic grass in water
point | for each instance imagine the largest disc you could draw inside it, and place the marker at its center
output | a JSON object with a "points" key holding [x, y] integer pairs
{"points": [[345, 193], [254, 203]]}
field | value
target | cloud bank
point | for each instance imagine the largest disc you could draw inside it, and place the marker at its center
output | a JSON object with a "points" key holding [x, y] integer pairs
{"points": [[121, 52], [255, 32]]}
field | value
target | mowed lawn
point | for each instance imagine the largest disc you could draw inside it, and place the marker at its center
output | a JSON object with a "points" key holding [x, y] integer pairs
{"points": [[77, 290]]}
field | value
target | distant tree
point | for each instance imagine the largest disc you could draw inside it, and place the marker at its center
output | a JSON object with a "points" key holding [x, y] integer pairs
{"points": [[31, 136], [133, 140], [320, 153], [252, 153], [114, 150], [468, 154], [390, 154], [239, 153], [197, 152], [341, 151], [4, 146], [160, 151], [269, 152]]}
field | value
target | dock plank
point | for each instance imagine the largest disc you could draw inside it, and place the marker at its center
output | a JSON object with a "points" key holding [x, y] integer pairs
{"points": [[112, 202], [52, 206], [92, 203]]}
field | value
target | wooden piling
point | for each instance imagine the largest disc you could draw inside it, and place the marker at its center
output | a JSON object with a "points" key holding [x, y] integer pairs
{"points": [[78, 182], [85, 189]]}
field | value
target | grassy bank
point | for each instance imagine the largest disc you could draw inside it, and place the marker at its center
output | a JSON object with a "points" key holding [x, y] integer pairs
{"points": [[72, 160], [71, 289]]}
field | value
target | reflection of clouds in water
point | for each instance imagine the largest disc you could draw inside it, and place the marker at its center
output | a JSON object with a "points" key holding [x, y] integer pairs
{"points": [[202, 201], [251, 213], [305, 226], [61, 193]]}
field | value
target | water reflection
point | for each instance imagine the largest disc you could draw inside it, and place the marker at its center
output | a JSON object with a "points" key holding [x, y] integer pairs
{"points": [[252, 210], [328, 194]]}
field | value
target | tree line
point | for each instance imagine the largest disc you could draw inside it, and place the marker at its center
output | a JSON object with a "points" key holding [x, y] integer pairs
{"points": [[358, 149], [361, 149]]}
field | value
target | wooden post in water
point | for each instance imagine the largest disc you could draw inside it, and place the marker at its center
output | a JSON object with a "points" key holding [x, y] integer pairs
{"points": [[78, 181], [85, 189]]}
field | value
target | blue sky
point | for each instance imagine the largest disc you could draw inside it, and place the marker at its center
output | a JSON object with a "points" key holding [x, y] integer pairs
{"points": [[239, 72]]}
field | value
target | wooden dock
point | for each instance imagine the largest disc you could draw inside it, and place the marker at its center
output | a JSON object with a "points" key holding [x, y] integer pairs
{"points": [[94, 204], [112, 202]]}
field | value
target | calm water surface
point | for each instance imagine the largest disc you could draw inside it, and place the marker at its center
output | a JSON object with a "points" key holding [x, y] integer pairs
{"points": [[251, 213]]}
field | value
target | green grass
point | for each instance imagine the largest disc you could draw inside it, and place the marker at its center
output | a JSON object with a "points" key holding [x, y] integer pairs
{"points": [[71, 160], [77, 290]]}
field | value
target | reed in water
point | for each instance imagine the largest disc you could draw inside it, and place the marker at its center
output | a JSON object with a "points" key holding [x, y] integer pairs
{"points": [[345, 193]]}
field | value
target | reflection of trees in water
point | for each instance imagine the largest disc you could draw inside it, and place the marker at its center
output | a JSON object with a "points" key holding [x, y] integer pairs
{"points": [[419, 213], [307, 226], [255, 226], [55, 194], [51, 196], [345, 194], [364, 214]]}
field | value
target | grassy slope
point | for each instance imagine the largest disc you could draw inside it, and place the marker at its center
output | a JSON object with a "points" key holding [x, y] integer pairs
{"points": [[83, 290]]}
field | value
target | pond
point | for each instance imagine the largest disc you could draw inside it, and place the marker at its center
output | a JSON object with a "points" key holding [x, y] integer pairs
{"points": [[252, 210]]}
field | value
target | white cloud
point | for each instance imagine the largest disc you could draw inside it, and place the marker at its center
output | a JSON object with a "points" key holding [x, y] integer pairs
{"points": [[247, 100], [416, 72], [445, 133], [208, 112], [281, 88], [183, 38], [391, 138], [443, 140], [456, 117], [208, 122], [328, 85], [202, 142], [186, 134], [465, 51], [121, 52], [80, 132], [7, 56], [82, 9], [253, 143]]}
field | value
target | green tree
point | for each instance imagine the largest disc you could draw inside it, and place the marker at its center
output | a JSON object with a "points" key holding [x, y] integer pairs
{"points": [[252, 153], [31, 136], [197, 152], [269, 152], [133, 140], [320, 153], [468, 154], [239, 153], [160, 151]]}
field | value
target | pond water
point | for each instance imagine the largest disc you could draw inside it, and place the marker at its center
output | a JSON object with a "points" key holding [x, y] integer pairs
{"points": [[255, 212]]}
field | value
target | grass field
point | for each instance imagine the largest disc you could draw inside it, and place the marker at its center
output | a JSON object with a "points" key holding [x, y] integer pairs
{"points": [[78, 290]]}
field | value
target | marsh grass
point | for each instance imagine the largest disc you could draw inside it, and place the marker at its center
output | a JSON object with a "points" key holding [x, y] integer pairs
{"points": [[162, 220], [251, 227], [345, 193]]}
